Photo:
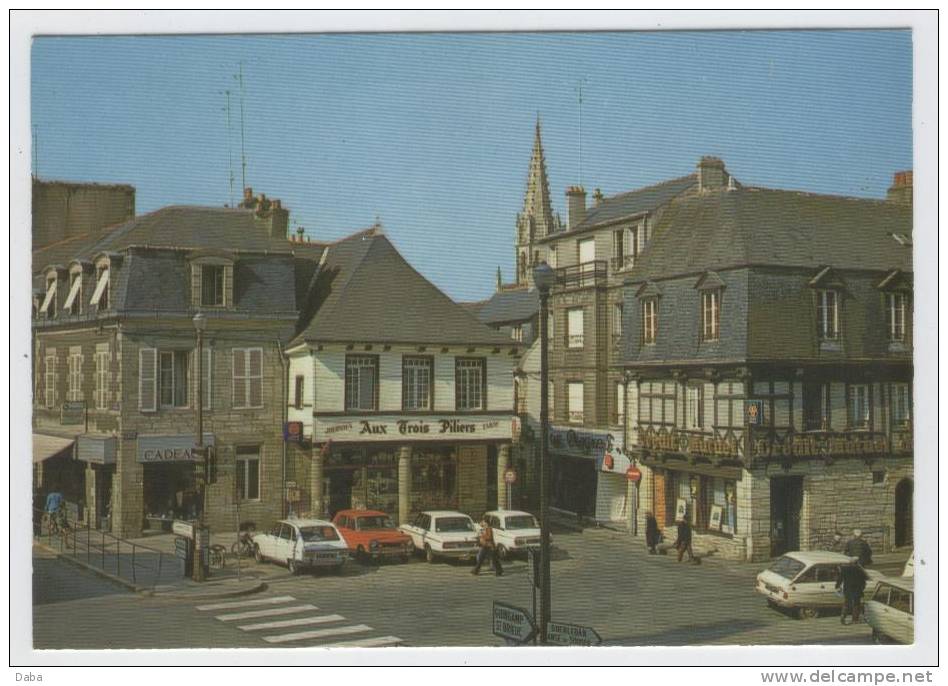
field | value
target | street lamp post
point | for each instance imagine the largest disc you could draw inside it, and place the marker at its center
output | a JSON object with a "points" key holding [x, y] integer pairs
{"points": [[200, 322], [543, 277]]}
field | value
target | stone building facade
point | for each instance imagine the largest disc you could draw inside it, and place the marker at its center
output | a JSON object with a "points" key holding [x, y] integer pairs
{"points": [[769, 391], [65, 211]]}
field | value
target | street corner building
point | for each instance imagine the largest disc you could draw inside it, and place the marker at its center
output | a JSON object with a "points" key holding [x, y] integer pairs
{"points": [[768, 365], [401, 400], [115, 365]]}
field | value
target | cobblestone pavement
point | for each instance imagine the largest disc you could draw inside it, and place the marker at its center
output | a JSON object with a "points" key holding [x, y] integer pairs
{"points": [[601, 578]]}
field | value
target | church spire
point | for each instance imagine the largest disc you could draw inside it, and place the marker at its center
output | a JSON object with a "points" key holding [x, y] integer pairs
{"points": [[536, 220]]}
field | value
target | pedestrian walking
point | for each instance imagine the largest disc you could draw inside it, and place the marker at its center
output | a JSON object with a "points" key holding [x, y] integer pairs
{"points": [[852, 580], [683, 542], [858, 547], [652, 534], [487, 549]]}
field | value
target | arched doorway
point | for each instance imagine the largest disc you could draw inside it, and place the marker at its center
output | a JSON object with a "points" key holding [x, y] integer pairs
{"points": [[903, 512]]}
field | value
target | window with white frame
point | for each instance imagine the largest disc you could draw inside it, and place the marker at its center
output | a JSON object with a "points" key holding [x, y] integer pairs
{"points": [[173, 378], [300, 384], [710, 315], [859, 406], [248, 378], [49, 302], [620, 404], [895, 313], [73, 304], [52, 377], [74, 378], [248, 472], [649, 320], [901, 404], [362, 373], [516, 332], [103, 367], [827, 314], [617, 312], [100, 296], [470, 381], [212, 285], [416, 383], [551, 256], [693, 407], [575, 319], [574, 402]]}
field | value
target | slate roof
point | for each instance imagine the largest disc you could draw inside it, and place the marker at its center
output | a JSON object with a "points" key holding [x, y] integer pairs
{"points": [[62, 252], [510, 306], [758, 226], [365, 291], [629, 204]]}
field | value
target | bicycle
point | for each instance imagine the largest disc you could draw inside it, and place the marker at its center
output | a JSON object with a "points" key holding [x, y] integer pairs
{"points": [[56, 524]]}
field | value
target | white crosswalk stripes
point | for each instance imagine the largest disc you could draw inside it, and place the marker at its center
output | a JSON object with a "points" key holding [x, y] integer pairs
{"points": [[329, 636]]}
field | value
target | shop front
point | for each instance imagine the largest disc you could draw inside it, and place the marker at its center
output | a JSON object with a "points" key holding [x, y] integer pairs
{"points": [[169, 488], [99, 453], [401, 465], [576, 457]]}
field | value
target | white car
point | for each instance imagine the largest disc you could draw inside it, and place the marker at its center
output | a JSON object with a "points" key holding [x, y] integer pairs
{"points": [[891, 610], [442, 533], [806, 581], [301, 544], [514, 531]]}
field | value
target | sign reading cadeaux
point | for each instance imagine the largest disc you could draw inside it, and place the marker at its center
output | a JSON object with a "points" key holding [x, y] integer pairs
{"points": [[382, 428], [177, 448]]}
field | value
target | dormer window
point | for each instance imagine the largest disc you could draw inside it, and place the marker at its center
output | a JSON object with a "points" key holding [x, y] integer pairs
{"points": [[895, 313], [212, 279], [49, 302], [73, 304], [710, 315], [827, 314], [212, 285], [100, 296], [649, 320]]}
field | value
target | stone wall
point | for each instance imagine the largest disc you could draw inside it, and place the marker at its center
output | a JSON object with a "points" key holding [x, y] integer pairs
{"points": [[66, 210]]}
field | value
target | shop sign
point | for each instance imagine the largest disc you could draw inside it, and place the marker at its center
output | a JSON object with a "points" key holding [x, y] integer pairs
{"points": [[183, 529], [72, 412], [675, 441], [821, 444], [293, 432], [583, 443], [386, 428], [96, 450], [179, 448]]}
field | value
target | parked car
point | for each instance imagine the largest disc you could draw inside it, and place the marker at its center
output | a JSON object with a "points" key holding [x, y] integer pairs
{"points": [[514, 531], [805, 581], [372, 535], [442, 534], [891, 610], [302, 544]]}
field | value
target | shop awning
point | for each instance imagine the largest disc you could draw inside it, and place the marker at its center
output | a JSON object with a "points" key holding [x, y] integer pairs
{"points": [[45, 447]]}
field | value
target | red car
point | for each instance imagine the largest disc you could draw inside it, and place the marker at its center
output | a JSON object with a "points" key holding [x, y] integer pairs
{"points": [[371, 535]]}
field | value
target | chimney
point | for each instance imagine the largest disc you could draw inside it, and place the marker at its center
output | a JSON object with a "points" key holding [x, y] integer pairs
{"points": [[300, 232], [279, 219], [597, 196], [248, 201], [900, 192], [576, 204], [711, 174]]}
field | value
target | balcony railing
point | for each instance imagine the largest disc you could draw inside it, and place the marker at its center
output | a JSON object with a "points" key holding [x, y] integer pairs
{"points": [[581, 275], [623, 262]]}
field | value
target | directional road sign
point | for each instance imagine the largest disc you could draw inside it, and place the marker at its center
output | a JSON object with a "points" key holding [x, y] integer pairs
{"points": [[560, 633], [513, 623]]}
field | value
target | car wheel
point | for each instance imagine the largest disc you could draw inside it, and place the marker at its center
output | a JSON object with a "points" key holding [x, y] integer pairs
{"points": [[807, 612], [429, 553], [502, 553], [293, 567], [257, 555]]}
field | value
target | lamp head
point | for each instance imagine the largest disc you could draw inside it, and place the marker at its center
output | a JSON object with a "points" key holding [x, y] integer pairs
{"points": [[200, 322], [543, 277]]}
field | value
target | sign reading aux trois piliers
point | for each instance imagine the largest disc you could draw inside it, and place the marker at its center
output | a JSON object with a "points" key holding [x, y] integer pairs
{"points": [[381, 428], [177, 448]]}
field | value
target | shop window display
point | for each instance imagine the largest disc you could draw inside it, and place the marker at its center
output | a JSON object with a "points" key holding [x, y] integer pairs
{"points": [[434, 479]]}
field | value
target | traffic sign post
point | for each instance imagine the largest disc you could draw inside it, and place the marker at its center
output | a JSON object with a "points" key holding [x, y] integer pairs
{"points": [[513, 623], [563, 634], [510, 478]]}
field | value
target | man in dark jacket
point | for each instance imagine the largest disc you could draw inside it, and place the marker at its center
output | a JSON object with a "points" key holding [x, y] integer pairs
{"points": [[852, 579], [683, 542], [652, 534], [858, 547], [487, 549]]}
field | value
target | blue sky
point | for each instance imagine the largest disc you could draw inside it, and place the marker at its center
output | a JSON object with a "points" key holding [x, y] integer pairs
{"points": [[433, 132]]}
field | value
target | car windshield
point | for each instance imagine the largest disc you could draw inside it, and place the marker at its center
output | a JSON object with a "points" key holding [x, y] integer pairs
{"points": [[319, 533], [453, 524], [374, 522], [787, 567], [522, 522]]}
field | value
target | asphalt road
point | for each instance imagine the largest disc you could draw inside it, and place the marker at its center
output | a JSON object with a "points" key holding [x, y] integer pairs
{"points": [[601, 578]]}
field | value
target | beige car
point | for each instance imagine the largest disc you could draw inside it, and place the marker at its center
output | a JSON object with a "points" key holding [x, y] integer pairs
{"points": [[891, 610]]}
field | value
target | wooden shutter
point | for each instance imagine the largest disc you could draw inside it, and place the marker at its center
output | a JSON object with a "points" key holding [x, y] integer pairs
{"points": [[147, 387], [255, 372], [239, 377]]}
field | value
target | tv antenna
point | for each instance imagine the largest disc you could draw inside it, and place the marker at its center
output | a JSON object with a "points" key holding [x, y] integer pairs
{"points": [[230, 150], [579, 91], [243, 154]]}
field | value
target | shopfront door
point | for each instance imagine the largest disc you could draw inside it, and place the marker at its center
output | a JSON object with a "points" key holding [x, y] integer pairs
{"points": [[786, 501], [903, 513], [340, 490]]}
